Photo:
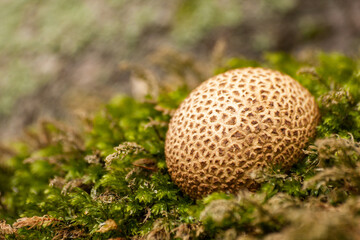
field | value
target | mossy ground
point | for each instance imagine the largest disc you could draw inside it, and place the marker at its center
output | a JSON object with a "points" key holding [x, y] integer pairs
{"points": [[109, 179]]}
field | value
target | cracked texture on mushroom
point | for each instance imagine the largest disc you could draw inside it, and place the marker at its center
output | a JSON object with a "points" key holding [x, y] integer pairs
{"points": [[237, 122]]}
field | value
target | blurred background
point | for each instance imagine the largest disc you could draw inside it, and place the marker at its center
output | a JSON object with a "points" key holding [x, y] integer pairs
{"points": [[59, 58]]}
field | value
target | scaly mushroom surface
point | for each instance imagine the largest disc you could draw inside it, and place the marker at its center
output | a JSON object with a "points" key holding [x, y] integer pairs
{"points": [[237, 122]]}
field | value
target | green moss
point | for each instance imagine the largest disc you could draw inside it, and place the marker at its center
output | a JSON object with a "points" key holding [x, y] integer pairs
{"points": [[111, 181]]}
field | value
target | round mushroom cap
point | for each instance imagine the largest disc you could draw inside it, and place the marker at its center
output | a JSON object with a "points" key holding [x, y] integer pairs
{"points": [[237, 122]]}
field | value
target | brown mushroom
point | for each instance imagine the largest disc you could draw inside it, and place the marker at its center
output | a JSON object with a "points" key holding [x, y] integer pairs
{"points": [[237, 122]]}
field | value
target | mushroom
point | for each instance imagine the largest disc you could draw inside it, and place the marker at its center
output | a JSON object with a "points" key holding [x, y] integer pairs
{"points": [[237, 122]]}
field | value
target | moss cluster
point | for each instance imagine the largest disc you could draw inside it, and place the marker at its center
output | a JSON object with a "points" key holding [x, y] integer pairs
{"points": [[109, 180]]}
